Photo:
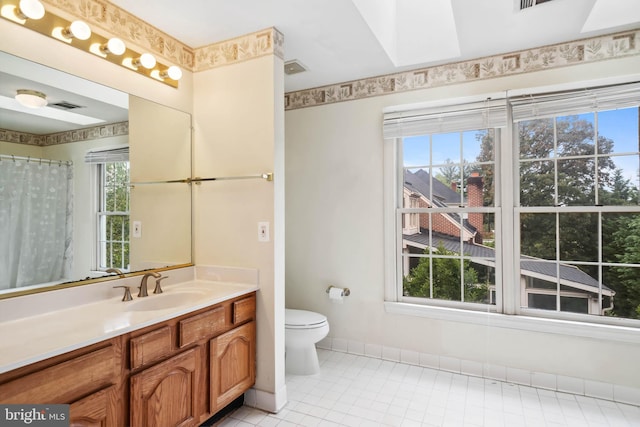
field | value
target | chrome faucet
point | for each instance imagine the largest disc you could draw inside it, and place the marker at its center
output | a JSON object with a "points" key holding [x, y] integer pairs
{"points": [[143, 284]]}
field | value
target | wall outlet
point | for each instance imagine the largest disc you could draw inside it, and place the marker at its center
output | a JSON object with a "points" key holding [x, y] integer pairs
{"points": [[263, 232], [137, 229]]}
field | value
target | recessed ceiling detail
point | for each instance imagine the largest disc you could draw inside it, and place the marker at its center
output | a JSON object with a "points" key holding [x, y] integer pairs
{"points": [[612, 13], [412, 31]]}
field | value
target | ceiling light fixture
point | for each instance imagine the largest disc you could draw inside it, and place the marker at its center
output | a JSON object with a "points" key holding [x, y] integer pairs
{"points": [[173, 72], [78, 29], [145, 60], [115, 46], [31, 98], [30, 9]]}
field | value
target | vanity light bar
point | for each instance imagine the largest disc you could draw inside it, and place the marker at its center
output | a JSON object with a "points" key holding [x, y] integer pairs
{"points": [[56, 27]]}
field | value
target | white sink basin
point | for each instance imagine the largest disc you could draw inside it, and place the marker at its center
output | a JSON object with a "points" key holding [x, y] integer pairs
{"points": [[165, 301]]}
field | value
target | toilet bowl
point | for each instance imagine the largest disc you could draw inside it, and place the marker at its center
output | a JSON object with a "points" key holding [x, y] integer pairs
{"points": [[303, 329]]}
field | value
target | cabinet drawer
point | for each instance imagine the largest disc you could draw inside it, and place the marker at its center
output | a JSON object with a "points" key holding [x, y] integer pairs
{"points": [[64, 382], [201, 326], [150, 347], [244, 309]]}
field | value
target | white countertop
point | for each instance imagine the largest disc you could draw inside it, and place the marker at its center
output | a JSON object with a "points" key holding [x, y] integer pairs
{"points": [[49, 333]]}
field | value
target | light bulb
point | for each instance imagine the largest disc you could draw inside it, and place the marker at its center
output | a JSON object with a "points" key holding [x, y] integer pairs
{"points": [[146, 60], [78, 29], [31, 9], [114, 46], [173, 72]]}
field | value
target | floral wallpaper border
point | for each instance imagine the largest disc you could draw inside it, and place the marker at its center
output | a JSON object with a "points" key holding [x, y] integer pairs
{"points": [[86, 134], [118, 22], [250, 46], [545, 58]]}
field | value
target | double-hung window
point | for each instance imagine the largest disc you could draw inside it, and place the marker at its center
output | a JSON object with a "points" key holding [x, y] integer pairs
{"points": [[112, 208], [524, 205], [578, 213], [445, 203]]}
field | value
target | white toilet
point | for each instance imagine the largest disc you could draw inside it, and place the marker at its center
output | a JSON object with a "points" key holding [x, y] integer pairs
{"points": [[303, 329]]}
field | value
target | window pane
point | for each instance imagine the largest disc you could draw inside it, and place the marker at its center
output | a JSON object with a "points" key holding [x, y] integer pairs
{"points": [[537, 183], [445, 148], [536, 139], [620, 127], [473, 143], [578, 236], [415, 151], [619, 186], [538, 235], [576, 135], [621, 289], [576, 182], [621, 238]]}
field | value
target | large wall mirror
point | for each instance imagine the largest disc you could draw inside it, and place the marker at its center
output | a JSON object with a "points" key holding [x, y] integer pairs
{"points": [[83, 181]]}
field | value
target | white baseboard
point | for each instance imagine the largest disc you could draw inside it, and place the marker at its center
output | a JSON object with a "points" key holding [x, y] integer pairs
{"points": [[559, 383], [266, 401]]}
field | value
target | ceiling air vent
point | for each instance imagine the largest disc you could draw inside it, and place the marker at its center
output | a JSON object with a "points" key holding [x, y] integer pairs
{"points": [[293, 67], [64, 105], [525, 4]]}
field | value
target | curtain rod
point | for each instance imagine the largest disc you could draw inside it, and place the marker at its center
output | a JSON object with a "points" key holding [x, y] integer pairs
{"points": [[197, 180], [29, 159]]}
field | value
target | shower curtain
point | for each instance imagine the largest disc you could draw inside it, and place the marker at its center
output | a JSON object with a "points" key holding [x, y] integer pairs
{"points": [[36, 204]]}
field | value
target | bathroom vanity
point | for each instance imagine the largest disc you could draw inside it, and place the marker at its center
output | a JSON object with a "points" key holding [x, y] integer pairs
{"points": [[151, 365]]}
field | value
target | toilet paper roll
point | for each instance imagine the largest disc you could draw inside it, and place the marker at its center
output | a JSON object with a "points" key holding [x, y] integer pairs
{"points": [[336, 295]]}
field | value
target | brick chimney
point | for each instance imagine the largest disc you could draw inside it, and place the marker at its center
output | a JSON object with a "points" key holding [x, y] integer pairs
{"points": [[475, 185]]}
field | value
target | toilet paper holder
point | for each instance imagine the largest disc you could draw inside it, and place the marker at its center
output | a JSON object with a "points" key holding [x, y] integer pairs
{"points": [[345, 292]]}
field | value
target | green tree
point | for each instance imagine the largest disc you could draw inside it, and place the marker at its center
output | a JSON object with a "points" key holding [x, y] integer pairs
{"points": [[447, 277], [450, 172], [116, 201]]}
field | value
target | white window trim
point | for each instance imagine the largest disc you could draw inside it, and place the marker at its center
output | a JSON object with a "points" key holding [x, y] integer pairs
{"points": [[528, 320], [512, 316]]}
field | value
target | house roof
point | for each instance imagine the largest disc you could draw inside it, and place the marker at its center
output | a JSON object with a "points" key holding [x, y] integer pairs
{"points": [[529, 266], [443, 195]]}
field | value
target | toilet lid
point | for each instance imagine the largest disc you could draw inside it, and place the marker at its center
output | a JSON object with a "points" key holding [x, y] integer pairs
{"points": [[303, 319]]}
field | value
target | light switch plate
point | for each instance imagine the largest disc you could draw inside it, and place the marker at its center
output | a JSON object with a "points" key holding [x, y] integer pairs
{"points": [[137, 229], [263, 231]]}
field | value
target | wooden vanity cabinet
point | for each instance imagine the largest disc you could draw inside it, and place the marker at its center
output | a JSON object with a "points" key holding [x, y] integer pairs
{"points": [[179, 372]]}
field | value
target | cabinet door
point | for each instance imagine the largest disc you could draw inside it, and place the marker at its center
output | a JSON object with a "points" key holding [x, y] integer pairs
{"points": [[232, 361], [93, 410], [165, 394]]}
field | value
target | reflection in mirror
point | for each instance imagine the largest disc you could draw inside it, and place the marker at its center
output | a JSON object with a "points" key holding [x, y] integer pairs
{"points": [[67, 211]]}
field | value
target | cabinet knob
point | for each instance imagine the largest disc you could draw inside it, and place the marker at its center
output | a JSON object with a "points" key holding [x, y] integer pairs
{"points": [[127, 293]]}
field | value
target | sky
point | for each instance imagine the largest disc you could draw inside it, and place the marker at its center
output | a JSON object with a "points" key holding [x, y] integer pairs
{"points": [[621, 126]]}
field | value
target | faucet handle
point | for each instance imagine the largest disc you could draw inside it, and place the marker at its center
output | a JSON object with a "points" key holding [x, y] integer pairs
{"points": [[158, 289], [127, 293]]}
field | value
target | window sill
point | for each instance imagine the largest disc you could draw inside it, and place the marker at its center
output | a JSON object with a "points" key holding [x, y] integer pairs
{"points": [[597, 331]]}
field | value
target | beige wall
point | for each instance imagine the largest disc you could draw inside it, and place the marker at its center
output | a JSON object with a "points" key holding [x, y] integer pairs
{"points": [[238, 131], [334, 229]]}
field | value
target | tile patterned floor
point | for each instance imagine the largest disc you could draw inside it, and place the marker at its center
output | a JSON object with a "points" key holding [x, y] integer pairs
{"points": [[362, 391]]}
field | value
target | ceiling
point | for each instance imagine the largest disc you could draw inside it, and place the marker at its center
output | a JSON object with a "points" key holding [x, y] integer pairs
{"points": [[95, 104], [340, 40], [343, 40]]}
